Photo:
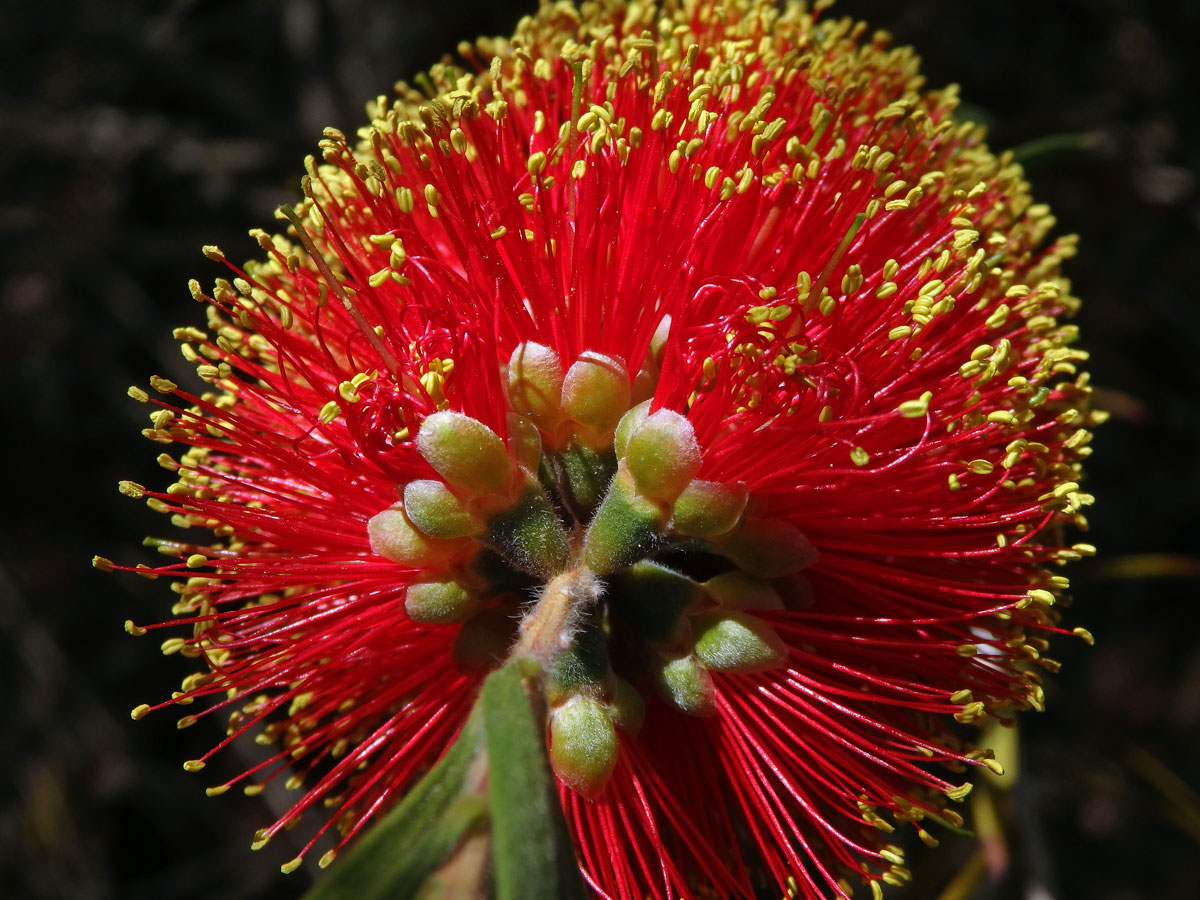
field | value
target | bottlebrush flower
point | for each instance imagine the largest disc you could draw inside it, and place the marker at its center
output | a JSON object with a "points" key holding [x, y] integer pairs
{"points": [[693, 351]]}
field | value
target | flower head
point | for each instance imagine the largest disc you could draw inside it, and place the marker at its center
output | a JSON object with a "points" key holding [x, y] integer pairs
{"points": [[693, 352]]}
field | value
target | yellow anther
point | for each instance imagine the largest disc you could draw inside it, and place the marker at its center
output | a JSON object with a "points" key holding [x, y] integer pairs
{"points": [[329, 412], [1042, 597], [915, 409], [959, 793], [131, 489]]}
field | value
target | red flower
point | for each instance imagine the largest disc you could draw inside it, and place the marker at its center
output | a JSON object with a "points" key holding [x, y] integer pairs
{"points": [[831, 326]]}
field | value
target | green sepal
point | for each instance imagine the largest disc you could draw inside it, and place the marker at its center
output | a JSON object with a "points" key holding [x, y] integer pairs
{"points": [[737, 590], [585, 474], [394, 537], [628, 709], [534, 855], [465, 452], [524, 440], [662, 455], [440, 602], [396, 857], [529, 535], [535, 383], [583, 745], [628, 424], [769, 548], [652, 601], [734, 641], [626, 528], [708, 509], [684, 683], [595, 393], [436, 511]]}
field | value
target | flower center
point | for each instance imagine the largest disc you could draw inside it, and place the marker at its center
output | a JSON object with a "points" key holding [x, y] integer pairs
{"points": [[647, 577]]}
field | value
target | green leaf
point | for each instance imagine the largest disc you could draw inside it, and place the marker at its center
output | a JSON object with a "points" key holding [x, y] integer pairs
{"points": [[534, 855], [395, 858]]}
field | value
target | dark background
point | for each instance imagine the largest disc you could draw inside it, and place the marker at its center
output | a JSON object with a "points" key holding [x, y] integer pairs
{"points": [[133, 133]]}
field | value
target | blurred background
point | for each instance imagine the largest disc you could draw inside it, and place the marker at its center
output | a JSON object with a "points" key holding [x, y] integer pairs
{"points": [[135, 132]]}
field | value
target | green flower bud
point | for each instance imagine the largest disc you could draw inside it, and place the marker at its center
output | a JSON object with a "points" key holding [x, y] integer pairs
{"points": [[583, 745], [737, 590], [658, 341], [525, 441], [630, 421], [737, 642], [596, 392], [628, 709], [662, 455], [433, 508], [394, 537], [769, 548], [465, 452], [440, 602], [708, 509], [685, 684], [625, 528], [535, 384], [653, 601]]}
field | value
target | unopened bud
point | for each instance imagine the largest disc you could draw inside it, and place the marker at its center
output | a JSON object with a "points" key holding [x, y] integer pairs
{"points": [[737, 590], [394, 537], [708, 509], [440, 602], [583, 745], [628, 424], [662, 455], [628, 709], [525, 441], [685, 684], [769, 548], [655, 602], [658, 341], [596, 392], [465, 452], [433, 508], [535, 384], [737, 642]]}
